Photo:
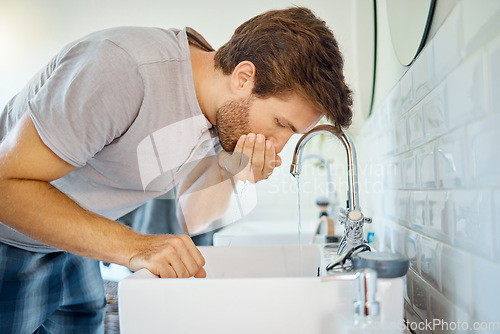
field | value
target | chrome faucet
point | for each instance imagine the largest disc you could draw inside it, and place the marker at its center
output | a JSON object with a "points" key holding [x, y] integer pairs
{"points": [[366, 290], [352, 217]]}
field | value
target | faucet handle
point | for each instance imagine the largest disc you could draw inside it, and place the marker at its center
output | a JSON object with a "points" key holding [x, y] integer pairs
{"points": [[342, 218], [356, 216]]}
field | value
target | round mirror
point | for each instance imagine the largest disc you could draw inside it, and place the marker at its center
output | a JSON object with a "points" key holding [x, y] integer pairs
{"points": [[409, 22]]}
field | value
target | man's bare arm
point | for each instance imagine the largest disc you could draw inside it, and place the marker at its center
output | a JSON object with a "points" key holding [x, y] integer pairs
{"points": [[32, 206]]}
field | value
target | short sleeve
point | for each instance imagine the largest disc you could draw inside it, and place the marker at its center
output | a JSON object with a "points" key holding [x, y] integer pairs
{"points": [[91, 98]]}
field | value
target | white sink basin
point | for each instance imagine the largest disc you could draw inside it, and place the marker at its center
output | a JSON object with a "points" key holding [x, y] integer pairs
{"points": [[250, 233], [253, 289]]}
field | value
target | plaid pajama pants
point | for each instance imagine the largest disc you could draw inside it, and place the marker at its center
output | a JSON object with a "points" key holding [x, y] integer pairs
{"points": [[49, 293]]}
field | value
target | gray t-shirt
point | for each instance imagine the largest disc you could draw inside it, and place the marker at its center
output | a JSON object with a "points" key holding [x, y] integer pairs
{"points": [[120, 104]]}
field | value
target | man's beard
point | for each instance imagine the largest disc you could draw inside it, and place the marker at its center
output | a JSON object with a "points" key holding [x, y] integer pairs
{"points": [[232, 121]]}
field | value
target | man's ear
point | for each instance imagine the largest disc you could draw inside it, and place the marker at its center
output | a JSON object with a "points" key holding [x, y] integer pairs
{"points": [[243, 78]]}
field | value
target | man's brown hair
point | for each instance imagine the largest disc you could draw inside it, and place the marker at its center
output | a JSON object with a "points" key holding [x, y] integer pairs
{"points": [[293, 52]]}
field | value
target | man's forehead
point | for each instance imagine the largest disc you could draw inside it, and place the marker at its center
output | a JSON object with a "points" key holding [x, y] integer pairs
{"points": [[313, 124]]}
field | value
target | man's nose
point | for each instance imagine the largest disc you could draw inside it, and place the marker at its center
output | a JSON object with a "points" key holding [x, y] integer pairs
{"points": [[279, 142]]}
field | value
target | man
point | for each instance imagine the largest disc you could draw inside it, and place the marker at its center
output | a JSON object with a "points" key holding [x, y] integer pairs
{"points": [[122, 116]]}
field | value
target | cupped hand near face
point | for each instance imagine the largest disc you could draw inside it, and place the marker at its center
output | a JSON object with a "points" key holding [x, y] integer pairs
{"points": [[254, 158]]}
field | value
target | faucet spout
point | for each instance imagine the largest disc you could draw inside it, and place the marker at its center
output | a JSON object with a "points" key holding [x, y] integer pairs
{"points": [[352, 217], [366, 289], [352, 169]]}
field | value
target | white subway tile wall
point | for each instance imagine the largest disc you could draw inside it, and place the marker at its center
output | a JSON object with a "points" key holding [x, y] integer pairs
{"points": [[435, 116], [485, 301], [418, 211], [440, 308], [419, 297], [471, 212], [447, 46], [412, 249], [484, 169], [438, 224], [406, 93], [426, 169], [443, 170], [423, 75], [497, 223], [494, 74], [456, 276], [416, 126], [465, 92], [475, 35], [451, 160], [430, 261]]}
